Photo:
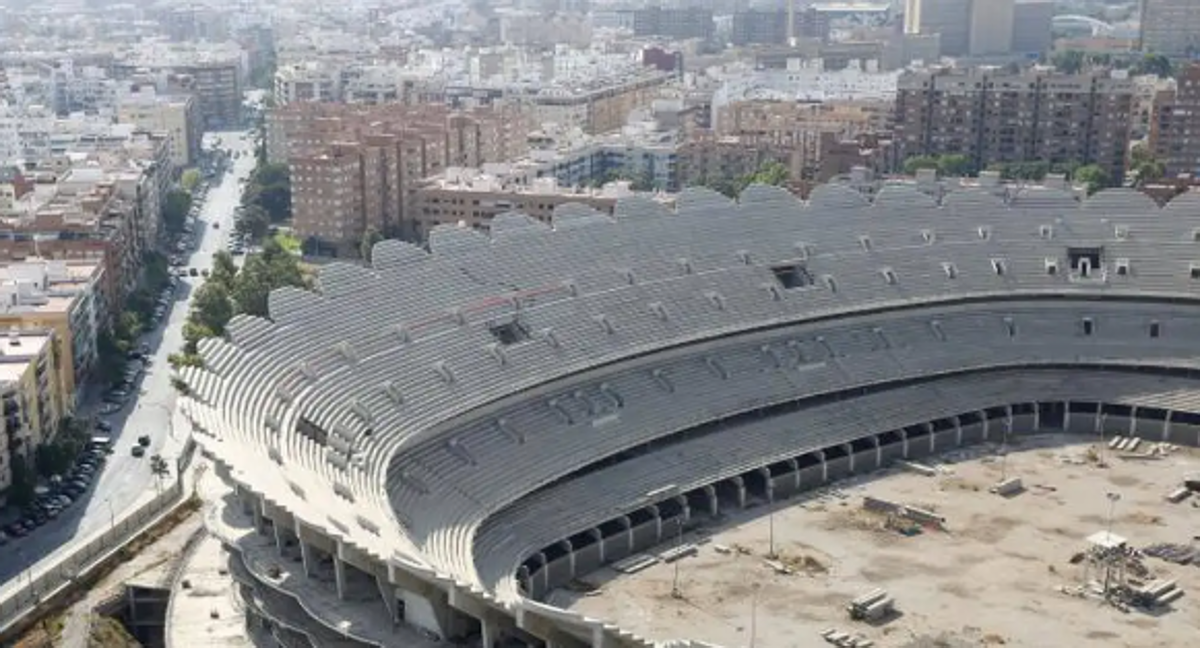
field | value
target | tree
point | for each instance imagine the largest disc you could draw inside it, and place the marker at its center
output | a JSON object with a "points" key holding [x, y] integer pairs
{"points": [[1092, 176], [369, 239], [224, 271], [21, 492], [1144, 167], [253, 222], [273, 268], [212, 308], [918, 162], [269, 187], [193, 332], [954, 166], [175, 209], [1069, 62], [770, 173], [1155, 64], [189, 179]]}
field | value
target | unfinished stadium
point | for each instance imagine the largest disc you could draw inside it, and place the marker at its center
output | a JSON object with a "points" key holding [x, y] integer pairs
{"points": [[442, 439]]}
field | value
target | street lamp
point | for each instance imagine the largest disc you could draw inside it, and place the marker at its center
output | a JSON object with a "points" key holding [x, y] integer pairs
{"points": [[1113, 498], [675, 591], [771, 532]]}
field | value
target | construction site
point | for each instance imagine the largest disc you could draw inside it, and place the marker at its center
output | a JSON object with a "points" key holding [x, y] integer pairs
{"points": [[1042, 542]]}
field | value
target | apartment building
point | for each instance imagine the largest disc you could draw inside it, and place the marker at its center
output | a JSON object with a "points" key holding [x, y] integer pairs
{"points": [[355, 168], [706, 158], [950, 19], [1170, 27], [992, 115], [471, 198], [213, 73], [802, 126], [175, 116], [87, 214], [32, 402], [596, 108], [63, 296], [674, 23], [770, 27], [1175, 124]]}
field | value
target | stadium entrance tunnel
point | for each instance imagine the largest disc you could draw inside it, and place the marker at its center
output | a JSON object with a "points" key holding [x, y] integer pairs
{"points": [[661, 521]]}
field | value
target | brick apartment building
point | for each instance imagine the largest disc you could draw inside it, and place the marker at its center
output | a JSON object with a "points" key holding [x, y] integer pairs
{"points": [[1175, 124], [356, 168], [802, 127], [991, 115]]}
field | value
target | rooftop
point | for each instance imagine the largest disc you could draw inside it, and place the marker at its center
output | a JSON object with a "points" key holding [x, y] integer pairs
{"points": [[17, 351]]}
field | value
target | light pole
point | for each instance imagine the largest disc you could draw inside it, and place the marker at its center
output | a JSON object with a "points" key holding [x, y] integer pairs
{"points": [[675, 591], [771, 532], [1113, 498], [754, 615]]}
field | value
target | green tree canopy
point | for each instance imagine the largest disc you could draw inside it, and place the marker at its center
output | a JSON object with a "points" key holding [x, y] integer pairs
{"points": [[918, 162], [253, 222], [1155, 64], [224, 270], [369, 239], [211, 307], [189, 179], [1094, 177], [175, 209], [273, 268], [954, 166]]}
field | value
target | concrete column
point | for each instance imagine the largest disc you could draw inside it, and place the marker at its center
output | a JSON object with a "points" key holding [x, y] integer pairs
{"points": [[256, 513], [658, 529], [878, 452], [307, 558], [957, 433], [1133, 413], [339, 577], [1037, 417], [599, 538], [824, 467], [904, 442], [714, 507], [566, 544], [278, 538], [1066, 415], [1166, 434], [388, 593], [544, 572], [768, 487], [685, 509], [987, 425], [741, 490], [489, 632], [849, 450]]}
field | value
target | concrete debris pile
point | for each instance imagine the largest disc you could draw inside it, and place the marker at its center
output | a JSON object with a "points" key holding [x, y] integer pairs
{"points": [[1172, 553]]}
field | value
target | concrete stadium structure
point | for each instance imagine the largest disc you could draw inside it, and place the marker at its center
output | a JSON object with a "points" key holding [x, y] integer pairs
{"points": [[443, 438]]}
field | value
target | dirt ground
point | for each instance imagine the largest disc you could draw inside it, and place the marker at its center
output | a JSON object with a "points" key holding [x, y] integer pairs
{"points": [[992, 576]]}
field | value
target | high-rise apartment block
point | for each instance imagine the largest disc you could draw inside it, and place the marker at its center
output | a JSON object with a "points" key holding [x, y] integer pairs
{"points": [[680, 24], [355, 168], [983, 27], [991, 116], [759, 26], [1175, 124], [1170, 27]]}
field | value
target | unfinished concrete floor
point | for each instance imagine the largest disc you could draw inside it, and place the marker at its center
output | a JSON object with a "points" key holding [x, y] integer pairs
{"points": [[993, 576]]}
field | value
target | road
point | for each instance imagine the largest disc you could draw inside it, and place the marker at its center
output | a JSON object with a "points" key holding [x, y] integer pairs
{"points": [[126, 479]]}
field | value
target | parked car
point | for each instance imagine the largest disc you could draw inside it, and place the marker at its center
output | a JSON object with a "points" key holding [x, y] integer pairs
{"points": [[144, 440], [104, 426], [138, 451], [193, 272]]}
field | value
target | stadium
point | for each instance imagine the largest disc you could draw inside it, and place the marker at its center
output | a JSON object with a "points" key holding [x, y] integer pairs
{"points": [[440, 440]]}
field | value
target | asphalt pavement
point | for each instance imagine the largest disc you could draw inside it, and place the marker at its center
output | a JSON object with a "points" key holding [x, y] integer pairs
{"points": [[126, 479]]}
